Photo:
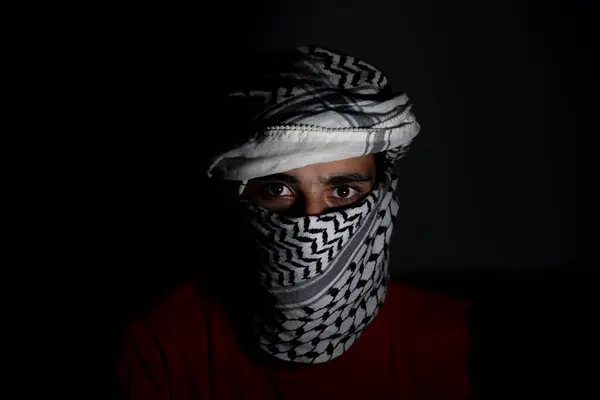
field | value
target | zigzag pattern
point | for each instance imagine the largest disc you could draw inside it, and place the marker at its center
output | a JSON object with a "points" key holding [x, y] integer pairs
{"points": [[326, 275], [328, 327], [350, 71], [297, 250], [309, 73]]}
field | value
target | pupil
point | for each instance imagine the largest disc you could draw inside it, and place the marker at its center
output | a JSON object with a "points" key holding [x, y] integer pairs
{"points": [[277, 189], [343, 192]]}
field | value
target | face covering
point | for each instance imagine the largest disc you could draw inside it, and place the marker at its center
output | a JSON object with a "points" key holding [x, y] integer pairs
{"points": [[324, 277]]}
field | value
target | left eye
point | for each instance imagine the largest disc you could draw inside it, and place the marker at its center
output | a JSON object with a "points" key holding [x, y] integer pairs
{"points": [[344, 192]]}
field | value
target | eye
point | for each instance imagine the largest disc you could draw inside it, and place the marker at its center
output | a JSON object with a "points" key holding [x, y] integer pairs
{"points": [[276, 190], [344, 192]]}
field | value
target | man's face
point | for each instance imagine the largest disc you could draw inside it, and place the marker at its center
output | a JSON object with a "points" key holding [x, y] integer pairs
{"points": [[313, 189]]}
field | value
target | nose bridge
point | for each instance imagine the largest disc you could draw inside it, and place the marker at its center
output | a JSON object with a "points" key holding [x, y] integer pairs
{"points": [[313, 202], [314, 207]]}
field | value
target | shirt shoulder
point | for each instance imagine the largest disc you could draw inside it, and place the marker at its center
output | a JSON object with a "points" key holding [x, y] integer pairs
{"points": [[165, 348], [431, 325], [431, 341], [411, 300], [178, 311]]}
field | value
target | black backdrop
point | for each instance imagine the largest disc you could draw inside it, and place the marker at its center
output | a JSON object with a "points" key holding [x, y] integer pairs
{"points": [[498, 200]]}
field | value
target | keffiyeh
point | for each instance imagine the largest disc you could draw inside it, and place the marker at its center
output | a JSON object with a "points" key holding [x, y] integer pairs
{"points": [[314, 105], [325, 275]]}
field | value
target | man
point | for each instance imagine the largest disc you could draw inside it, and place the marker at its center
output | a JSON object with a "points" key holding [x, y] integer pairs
{"points": [[311, 312]]}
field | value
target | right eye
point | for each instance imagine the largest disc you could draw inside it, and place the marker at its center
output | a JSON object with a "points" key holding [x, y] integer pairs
{"points": [[276, 190]]}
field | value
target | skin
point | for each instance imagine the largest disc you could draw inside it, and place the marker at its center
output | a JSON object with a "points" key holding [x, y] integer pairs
{"points": [[314, 189]]}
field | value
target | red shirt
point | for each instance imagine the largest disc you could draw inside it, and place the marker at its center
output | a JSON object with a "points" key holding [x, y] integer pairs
{"points": [[185, 348]]}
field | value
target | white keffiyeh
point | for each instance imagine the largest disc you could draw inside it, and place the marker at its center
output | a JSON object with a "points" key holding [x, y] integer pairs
{"points": [[320, 106], [325, 275]]}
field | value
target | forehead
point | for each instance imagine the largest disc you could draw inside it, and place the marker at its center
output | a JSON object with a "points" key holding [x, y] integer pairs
{"points": [[349, 165]]}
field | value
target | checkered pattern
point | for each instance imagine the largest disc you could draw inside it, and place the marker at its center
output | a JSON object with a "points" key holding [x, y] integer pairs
{"points": [[326, 274], [311, 105]]}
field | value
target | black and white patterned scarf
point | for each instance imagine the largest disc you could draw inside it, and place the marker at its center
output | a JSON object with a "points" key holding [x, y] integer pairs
{"points": [[325, 276]]}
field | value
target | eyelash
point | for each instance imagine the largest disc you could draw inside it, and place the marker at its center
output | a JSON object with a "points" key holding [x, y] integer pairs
{"points": [[338, 199], [346, 198], [266, 187]]}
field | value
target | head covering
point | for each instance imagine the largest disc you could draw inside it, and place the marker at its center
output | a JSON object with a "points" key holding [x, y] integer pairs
{"points": [[325, 276], [307, 105]]}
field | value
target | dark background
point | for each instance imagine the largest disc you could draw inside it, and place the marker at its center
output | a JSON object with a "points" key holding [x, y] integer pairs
{"points": [[498, 193]]}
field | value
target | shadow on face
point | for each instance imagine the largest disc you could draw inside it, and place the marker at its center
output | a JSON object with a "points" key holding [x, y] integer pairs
{"points": [[314, 189]]}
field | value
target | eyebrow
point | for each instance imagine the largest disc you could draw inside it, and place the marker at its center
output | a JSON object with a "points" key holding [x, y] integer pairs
{"points": [[339, 179], [344, 179]]}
